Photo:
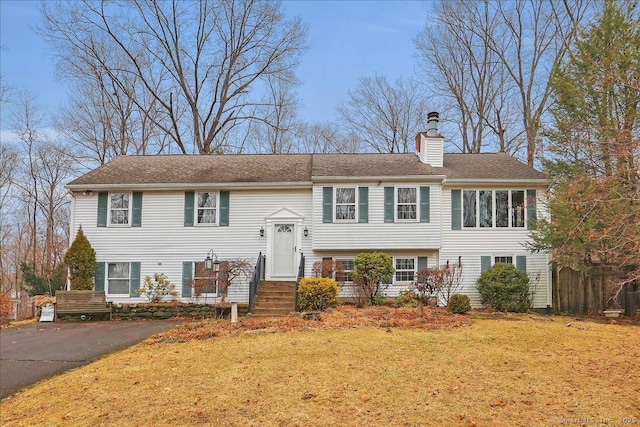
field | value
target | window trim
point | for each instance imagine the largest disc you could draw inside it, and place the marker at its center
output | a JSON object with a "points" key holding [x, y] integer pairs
{"points": [[356, 204], [503, 255], [213, 276], [107, 278], [415, 270], [196, 208], [340, 260], [416, 203], [494, 209], [129, 209]]}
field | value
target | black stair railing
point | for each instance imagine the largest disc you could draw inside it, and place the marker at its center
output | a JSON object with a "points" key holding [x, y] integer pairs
{"points": [[300, 276], [258, 275]]}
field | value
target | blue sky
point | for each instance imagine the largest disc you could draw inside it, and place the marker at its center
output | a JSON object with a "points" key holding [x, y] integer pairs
{"points": [[348, 39]]}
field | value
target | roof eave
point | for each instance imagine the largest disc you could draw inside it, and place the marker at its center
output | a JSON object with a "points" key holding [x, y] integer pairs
{"points": [[502, 181], [394, 178], [191, 186]]}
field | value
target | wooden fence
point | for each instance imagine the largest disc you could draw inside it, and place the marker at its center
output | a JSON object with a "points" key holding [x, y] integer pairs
{"points": [[577, 292]]}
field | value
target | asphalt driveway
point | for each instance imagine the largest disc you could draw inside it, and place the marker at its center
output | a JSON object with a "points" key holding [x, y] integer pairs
{"points": [[39, 350]]}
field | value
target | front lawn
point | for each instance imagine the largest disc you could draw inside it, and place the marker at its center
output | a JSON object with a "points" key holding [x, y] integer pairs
{"points": [[379, 369]]}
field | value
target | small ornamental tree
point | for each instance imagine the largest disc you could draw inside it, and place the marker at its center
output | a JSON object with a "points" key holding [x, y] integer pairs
{"points": [[329, 268], [156, 288], [425, 287], [81, 260], [370, 271]]}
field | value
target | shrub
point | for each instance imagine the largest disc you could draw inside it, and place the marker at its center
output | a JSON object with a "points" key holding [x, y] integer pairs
{"points": [[406, 298], [370, 271], [504, 287], [156, 288], [459, 304], [81, 259], [6, 309], [317, 293], [378, 299]]}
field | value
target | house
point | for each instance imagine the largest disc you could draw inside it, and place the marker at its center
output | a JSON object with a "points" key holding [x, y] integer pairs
{"points": [[166, 213]]}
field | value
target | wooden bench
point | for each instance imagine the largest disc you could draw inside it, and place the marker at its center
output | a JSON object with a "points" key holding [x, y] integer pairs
{"points": [[82, 303]]}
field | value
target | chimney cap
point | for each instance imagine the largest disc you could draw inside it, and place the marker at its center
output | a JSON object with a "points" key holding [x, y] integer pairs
{"points": [[432, 123]]}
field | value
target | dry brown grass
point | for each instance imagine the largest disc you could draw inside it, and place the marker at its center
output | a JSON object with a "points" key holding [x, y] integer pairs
{"points": [[380, 370]]}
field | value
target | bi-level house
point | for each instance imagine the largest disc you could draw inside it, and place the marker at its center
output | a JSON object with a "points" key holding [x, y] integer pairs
{"points": [[166, 213]]}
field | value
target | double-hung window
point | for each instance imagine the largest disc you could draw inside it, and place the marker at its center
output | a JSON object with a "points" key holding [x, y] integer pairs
{"points": [[343, 275], [207, 203], [345, 204], [405, 269], [119, 208], [406, 203], [118, 278], [204, 281]]}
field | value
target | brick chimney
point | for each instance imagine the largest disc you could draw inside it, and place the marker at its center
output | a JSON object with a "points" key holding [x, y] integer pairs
{"points": [[430, 144]]}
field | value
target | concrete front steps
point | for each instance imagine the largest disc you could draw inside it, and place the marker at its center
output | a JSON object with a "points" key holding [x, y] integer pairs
{"points": [[275, 299]]}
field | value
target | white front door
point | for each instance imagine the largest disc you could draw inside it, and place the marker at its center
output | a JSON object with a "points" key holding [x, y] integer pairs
{"points": [[284, 250]]}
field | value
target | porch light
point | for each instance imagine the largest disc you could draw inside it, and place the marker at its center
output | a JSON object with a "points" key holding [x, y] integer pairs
{"points": [[261, 231], [210, 263], [306, 231]]}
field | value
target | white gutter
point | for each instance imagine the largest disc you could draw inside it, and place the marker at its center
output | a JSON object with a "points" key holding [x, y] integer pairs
{"points": [[512, 182], [191, 186], [386, 178]]}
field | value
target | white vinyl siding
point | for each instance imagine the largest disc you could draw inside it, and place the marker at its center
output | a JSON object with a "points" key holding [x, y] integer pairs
{"points": [[376, 234], [164, 243], [475, 242]]}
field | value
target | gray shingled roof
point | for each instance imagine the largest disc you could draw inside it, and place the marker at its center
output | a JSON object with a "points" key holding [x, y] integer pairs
{"points": [[494, 166], [297, 168]]}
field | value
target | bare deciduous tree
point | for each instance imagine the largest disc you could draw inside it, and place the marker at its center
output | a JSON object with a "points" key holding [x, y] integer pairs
{"points": [[276, 133], [385, 117], [325, 138], [489, 64], [196, 62]]}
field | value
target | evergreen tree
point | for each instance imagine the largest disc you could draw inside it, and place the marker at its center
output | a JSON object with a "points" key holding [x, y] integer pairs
{"points": [[81, 259], [595, 144]]}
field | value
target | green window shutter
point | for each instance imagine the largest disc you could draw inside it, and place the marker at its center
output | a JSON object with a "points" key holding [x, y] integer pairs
{"points": [[388, 204], [422, 262], [456, 209], [425, 204], [224, 208], [531, 208], [521, 263], [327, 204], [189, 200], [99, 279], [363, 204], [103, 200], [186, 278], [136, 216], [485, 263], [134, 278]]}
